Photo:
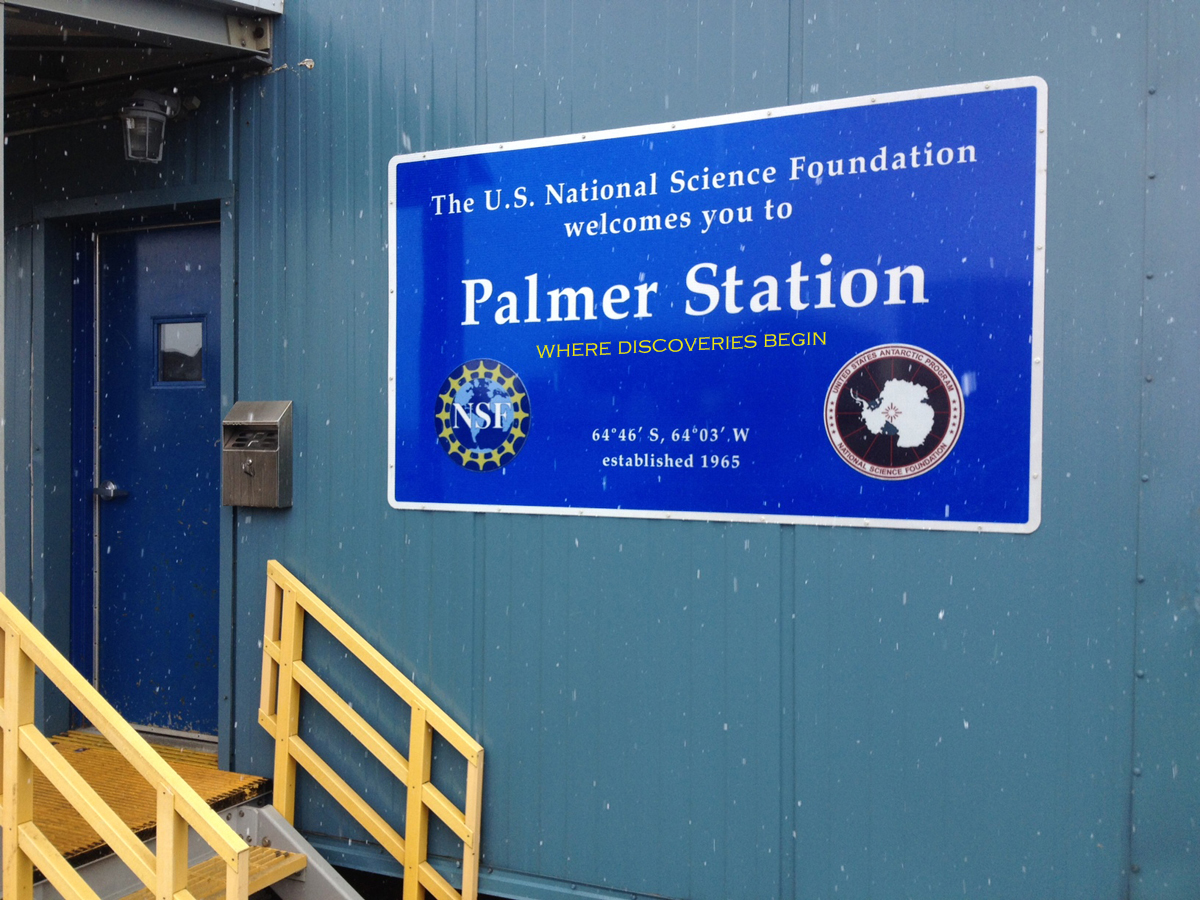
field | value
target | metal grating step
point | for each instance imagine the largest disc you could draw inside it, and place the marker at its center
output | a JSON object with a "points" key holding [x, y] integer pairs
{"points": [[206, 881], [130, 797]]}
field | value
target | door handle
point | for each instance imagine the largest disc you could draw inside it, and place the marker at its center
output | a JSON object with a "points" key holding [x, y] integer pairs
{"points": [[109, 491]]}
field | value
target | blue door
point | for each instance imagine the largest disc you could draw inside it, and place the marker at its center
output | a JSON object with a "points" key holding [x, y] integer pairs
{"points": [[158, 497]]}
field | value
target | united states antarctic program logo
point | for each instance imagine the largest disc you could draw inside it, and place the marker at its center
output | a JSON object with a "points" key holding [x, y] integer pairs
{"points": [[894, 412], [482, 415]]}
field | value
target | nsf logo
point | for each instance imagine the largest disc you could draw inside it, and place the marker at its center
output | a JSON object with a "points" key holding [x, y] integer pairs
{"points": [[894, 412], [482, 415]]}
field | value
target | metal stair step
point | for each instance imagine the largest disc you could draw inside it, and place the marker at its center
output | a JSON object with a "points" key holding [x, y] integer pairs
{"points": [[123, 788], [206, 881]]}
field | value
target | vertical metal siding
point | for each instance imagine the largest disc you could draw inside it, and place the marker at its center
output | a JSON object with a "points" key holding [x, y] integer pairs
{"points": [[18, 333], [703, 710], [714, 710], [1166, 760], [978, 687]]}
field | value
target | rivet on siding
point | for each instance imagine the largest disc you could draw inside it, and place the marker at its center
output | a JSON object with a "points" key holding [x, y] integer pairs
{"points": [[1141, 579], [1149, 275], [1140, 673], [1145, 478], [1135, 869], [1149, 174], [1153, 89], [1149, 378], [1137, 771]]}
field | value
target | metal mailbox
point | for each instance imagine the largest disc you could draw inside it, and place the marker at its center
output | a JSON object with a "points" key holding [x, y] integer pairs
{"points": [[256, 454]]}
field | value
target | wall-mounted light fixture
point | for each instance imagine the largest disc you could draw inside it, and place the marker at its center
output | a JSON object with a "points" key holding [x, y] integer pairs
{"points": [[145, 119]]}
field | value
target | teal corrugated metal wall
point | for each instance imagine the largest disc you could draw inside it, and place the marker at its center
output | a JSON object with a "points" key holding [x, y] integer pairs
{"points": [[696, 710], [704, 710], [1166, 761], [713, 710]]}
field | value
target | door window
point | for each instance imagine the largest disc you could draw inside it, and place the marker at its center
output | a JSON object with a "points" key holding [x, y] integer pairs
{"points": [[180, 348]]}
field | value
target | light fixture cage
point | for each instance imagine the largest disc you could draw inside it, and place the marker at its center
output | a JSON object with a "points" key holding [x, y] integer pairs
{"points": [[145, 120]]}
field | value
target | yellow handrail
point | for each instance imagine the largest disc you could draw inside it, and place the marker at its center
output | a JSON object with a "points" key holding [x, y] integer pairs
{"points": [[285, 674], [25, 650]]}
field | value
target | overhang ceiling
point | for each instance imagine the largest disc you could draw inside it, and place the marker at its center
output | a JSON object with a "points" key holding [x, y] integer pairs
{"points": [[71, 61]]}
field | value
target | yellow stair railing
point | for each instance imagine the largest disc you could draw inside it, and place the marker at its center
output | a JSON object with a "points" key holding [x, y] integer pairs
{"points": [[285, 674], [24, 651]]}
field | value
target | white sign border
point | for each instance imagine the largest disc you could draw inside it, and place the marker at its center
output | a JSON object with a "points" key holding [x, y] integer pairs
{"points": [[1039, 287]]}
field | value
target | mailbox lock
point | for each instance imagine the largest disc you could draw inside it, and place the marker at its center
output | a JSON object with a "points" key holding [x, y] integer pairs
{"points": [[248, 467]]}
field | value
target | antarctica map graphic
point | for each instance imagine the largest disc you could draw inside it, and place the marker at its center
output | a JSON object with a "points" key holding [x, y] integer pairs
{"points": [[828, 313], [894, 412]]}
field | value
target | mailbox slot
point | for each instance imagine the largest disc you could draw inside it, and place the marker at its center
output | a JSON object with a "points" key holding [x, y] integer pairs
{"points": [[256, 454]]}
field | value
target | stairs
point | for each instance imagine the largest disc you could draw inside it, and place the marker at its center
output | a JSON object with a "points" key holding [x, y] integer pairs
{"points": [[206, 881], [120, 786], [280, 858], [107, 816]]}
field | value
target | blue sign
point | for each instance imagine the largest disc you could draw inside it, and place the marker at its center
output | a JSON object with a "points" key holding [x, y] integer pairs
{"points": [[829, 313]]}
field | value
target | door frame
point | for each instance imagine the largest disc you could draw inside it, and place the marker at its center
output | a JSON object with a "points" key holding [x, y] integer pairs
{"points": [[60, 589]]}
